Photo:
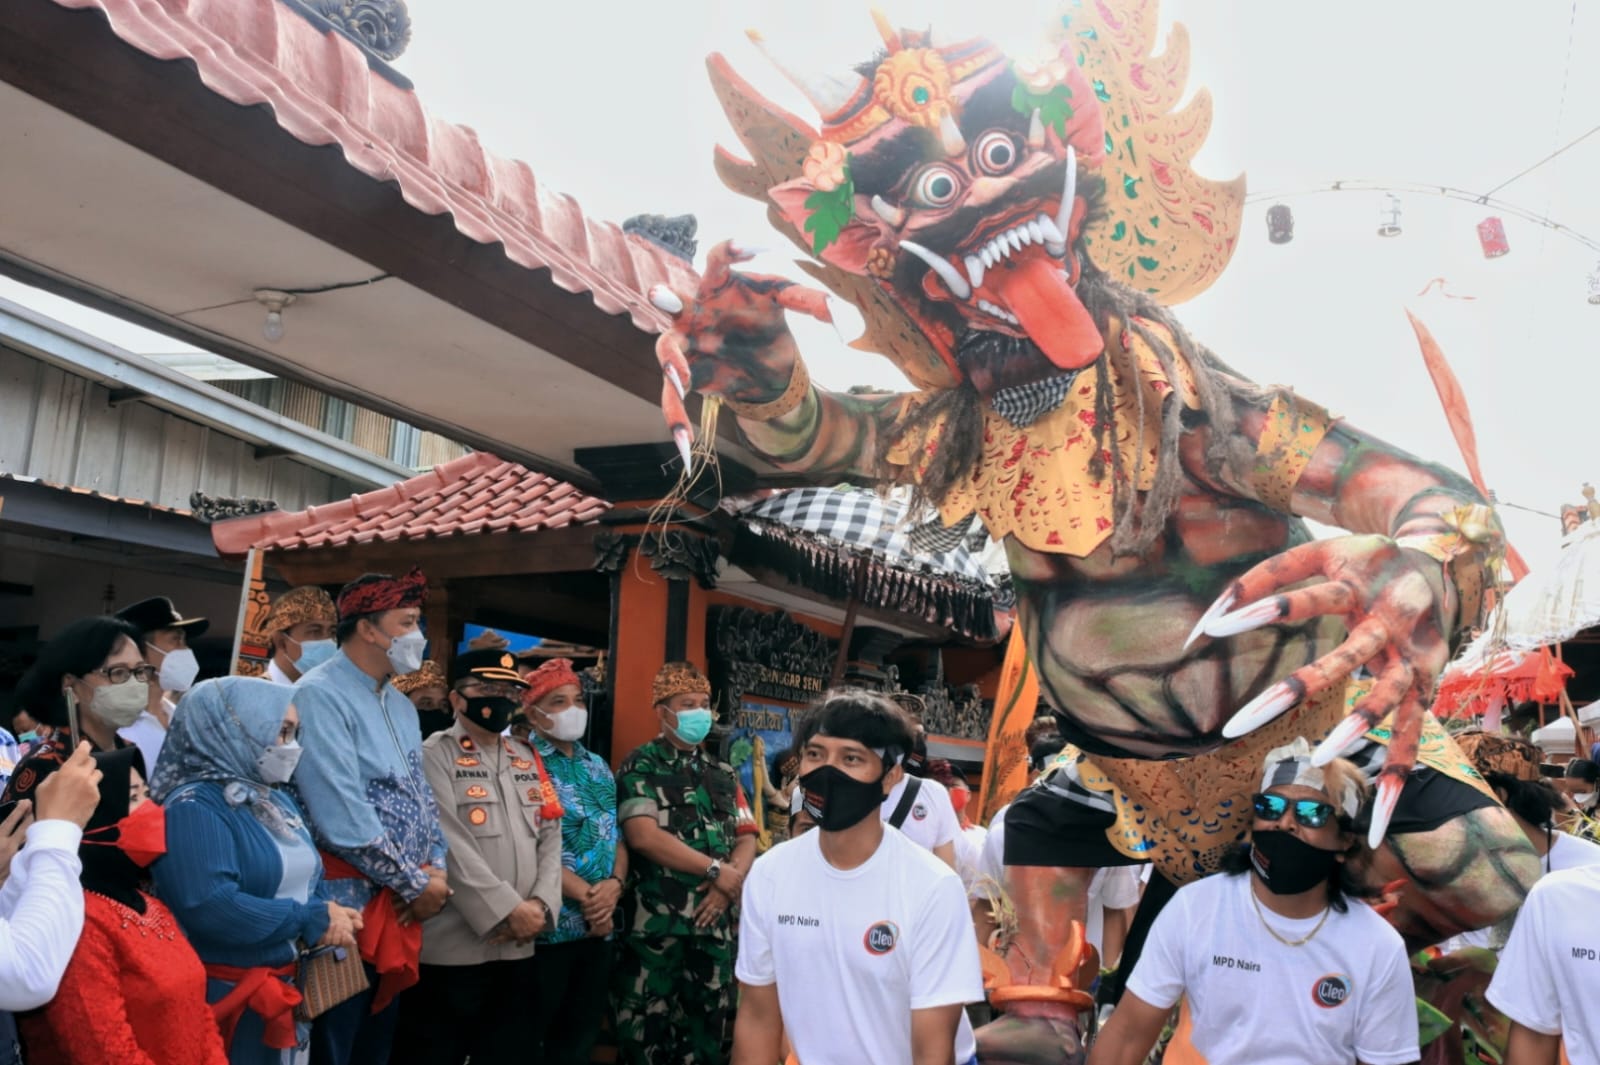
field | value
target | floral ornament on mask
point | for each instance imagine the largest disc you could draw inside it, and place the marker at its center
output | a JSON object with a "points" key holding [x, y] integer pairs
{"points": [[833, 204]]}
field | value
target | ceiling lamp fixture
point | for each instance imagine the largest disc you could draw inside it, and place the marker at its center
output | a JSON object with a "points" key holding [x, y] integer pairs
{"points": [[274, 301], [1389, 216], [1280, 223]]}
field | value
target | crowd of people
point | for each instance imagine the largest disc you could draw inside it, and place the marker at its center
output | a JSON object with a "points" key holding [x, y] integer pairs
{"points": [[362, 858]]}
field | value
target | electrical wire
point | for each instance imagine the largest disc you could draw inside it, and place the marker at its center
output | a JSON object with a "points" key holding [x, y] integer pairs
{"points": [[1524, 173], [332, 287]]}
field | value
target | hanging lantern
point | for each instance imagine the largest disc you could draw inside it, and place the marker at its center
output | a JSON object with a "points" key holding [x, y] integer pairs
{"points": [[1389, 216], [1594, 285], [1492, 238], [1280, 223]]}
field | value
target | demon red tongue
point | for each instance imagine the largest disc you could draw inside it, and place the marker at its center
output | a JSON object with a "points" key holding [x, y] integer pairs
{"points": [[1038, 293]]}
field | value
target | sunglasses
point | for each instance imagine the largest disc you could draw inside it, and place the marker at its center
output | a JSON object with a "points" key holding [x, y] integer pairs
{"points": [[1308, 812]]}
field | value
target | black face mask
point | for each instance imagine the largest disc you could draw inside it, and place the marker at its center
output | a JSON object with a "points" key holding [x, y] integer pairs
{"points": [[1287, 864], [836, 800], [491, 712], [434, 721]]}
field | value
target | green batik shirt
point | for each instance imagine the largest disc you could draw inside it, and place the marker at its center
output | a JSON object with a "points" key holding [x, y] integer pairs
{"points": [[696, 798]]}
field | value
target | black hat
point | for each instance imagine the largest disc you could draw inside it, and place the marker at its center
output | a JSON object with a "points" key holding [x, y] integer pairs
{"points": [[489, 663], [153, 615]]}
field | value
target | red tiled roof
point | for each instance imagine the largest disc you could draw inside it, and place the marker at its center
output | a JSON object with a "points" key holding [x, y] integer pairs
{"points": [[322, 91], [477, 493]]}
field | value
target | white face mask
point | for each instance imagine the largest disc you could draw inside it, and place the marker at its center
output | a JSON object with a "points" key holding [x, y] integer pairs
{"points": [[405, 651], [1585, 799], [121, 704], [277, 763], [178, 669], [568, 725]]}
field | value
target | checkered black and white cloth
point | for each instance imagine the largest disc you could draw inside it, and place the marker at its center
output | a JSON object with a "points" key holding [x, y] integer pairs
{"points": [[864, 519], [1022, 405]]}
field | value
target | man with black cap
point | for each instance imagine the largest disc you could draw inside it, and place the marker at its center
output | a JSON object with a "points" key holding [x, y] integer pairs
{"points": [[369, 806], [502, 821], [165, 645]]}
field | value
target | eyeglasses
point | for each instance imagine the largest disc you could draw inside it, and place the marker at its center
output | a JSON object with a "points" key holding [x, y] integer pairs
{"points": [[120, 674], [1308, 812]]}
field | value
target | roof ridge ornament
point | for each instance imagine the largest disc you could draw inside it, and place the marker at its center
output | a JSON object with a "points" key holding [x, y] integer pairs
{"points": [[380, 27]]}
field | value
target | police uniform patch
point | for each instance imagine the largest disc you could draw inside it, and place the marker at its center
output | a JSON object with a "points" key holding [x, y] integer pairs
{"points": [[468, 762], [533, 794], [521, 764], [478, 815], [477, 791], [467, 744]]}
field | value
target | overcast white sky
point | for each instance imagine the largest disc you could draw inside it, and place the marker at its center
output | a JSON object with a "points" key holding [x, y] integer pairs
{"points": [[608, 101]]}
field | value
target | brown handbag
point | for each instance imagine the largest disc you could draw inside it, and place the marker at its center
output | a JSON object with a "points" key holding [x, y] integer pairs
{"points": [[328, 976]]}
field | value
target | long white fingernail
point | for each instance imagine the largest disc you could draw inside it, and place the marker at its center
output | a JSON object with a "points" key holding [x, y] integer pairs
{"points": [[1265, 707], [744, 251], [665, 300], [1342, 738], [680, 436], [1215, 610], [1246, 618], [677, 382], [1383, 809]]}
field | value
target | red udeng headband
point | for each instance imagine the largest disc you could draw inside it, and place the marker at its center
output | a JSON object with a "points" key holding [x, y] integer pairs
{"points": [[555, 673], [391, 594]]}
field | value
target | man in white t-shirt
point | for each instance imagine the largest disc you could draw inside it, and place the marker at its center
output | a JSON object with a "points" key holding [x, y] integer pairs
{"points": [[854, 941], [1548, 979], [1274, 965], [920, 807]]}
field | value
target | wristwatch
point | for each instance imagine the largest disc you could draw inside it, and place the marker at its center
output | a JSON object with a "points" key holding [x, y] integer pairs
{"points": [[714, 870]]}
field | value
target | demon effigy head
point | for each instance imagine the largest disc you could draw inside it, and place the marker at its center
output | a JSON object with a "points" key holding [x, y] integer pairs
{"points": [[978, 192]]}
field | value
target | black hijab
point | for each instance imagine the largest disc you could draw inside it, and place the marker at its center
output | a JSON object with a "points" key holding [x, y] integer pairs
{"points": [[106, 869]]}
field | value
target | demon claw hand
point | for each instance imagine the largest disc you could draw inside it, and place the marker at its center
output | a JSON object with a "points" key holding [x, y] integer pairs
{"points": [[730, 338], [1394, 627]]}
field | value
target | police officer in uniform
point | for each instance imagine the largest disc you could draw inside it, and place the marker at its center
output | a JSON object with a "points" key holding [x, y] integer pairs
{"points": [[692, 840], [502, 821]]}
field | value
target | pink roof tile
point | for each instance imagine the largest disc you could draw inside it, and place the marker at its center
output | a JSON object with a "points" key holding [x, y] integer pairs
{"points": [[481, 494], [321, 90]]}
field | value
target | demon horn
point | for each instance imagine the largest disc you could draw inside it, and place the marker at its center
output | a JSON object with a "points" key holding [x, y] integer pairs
{"points": [[887, 211], [1035, 131], [950, 136], [827, 93], [947, 273]]}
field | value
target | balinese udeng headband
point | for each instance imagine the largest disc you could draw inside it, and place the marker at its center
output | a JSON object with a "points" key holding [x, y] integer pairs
{"points": [[429, 676], [297, 605], [389, 593], [1291, 764], [1490, 753], [556, 673], [678, 678]]}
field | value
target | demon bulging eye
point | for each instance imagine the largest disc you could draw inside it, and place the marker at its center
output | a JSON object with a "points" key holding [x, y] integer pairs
{"points": [[936, 185], [995, 153]]}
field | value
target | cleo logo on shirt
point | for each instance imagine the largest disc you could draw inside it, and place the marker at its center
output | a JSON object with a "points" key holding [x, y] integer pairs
{"points": [[919, 812], [881, 937], [1331, 991]]}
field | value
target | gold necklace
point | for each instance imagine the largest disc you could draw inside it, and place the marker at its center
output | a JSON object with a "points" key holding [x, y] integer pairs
{"points": [[1273, 932]]}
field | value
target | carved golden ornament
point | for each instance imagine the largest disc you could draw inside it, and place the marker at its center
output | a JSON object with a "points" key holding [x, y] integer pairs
{"points": [[914, 86]]}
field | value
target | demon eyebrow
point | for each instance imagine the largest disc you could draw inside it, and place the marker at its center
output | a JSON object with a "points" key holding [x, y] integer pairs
{"points": [[880, 171], [990, 108]]}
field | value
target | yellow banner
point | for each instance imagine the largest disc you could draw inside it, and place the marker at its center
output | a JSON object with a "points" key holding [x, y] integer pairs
{"points": [[1005, 760]]}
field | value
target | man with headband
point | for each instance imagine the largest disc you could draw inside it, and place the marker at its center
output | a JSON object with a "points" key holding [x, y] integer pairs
{"points": [[502, 820], [369, 805], [299, 628], [1273, 963], [692, 840], [853, 939], [430, 694]]}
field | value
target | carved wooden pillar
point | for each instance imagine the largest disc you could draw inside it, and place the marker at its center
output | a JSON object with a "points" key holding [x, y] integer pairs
{"points": [[444, 628]]}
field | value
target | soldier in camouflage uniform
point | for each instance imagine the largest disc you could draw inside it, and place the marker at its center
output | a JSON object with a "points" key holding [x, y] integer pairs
{"points": [[693, 840]]}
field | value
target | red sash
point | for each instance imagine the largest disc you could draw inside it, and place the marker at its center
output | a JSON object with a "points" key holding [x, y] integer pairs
{"points": [[393, 949], [264, 991]]}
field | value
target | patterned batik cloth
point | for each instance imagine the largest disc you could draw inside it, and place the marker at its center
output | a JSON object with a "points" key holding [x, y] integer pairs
{"points": [[588, 795]]}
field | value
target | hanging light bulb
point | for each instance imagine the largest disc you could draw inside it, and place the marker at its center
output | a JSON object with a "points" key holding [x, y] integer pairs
{"points": [[1389, 216], [274, 301]]}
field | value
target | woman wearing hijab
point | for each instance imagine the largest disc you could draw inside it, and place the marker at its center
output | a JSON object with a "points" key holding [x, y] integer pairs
{"points": [[134, 992], [242, 874], [98, 662]]}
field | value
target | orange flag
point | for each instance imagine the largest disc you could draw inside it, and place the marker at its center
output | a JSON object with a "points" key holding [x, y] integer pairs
{"points": [[1460, 419], [1006, 756]]}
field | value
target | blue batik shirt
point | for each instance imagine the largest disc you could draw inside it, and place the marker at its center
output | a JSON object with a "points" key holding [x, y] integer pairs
{"points": [[361, 785], [588, 825]]}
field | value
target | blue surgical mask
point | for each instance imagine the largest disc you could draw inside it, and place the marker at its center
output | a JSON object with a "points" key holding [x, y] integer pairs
{"points": [[313, 653], [693, 726], [28, 737]]}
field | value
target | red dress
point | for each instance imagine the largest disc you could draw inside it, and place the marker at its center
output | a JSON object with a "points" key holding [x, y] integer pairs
{"points": [[133, 994]]}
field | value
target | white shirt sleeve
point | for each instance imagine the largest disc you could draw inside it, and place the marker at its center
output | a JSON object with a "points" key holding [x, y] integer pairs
{"points": [[1386, 1031], [41, 915], [1120, 889], [943, 824], [944, 962], [1158, 976], [1524, 986], [755, 965]]}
